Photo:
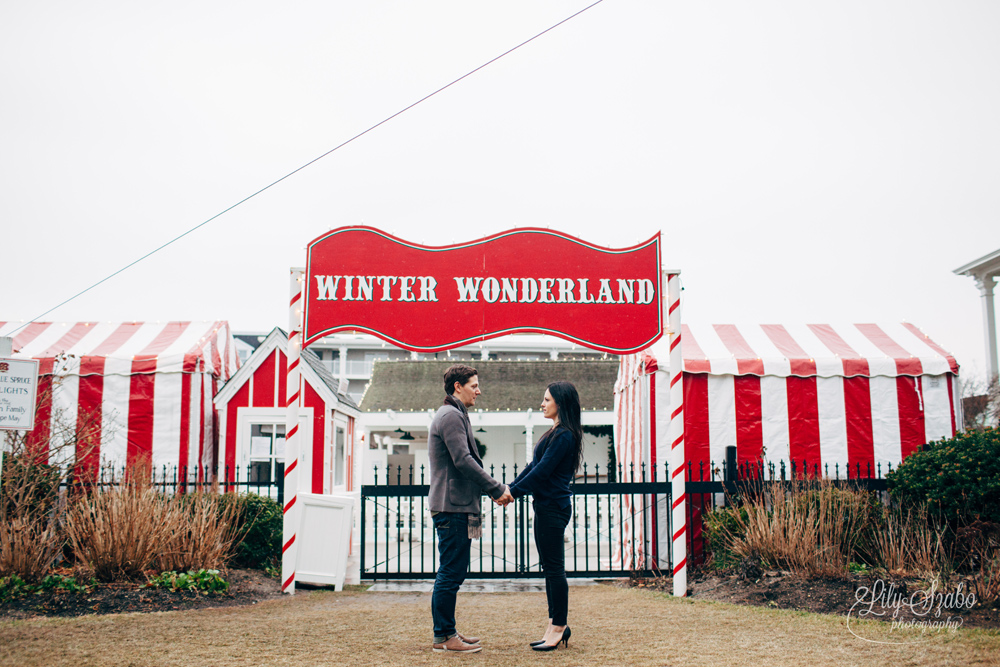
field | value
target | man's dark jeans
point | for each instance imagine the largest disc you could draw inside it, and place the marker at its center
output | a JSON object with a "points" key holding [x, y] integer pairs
{"points": [[453, 563], [550, 527]]}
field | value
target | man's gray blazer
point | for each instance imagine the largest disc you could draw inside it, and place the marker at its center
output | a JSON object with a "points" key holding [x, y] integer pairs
{"points": [[457, 476]]}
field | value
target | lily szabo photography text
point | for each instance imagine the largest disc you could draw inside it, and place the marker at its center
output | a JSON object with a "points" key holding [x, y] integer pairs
{"points": [[931, 610]]}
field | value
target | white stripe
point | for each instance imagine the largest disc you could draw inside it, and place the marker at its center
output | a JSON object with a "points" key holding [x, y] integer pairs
{"points": [[828, 364], [166, 421], [723, 361], [114, 411], [879, 363], [775, 363], [49, 336], [885, 422], [721, 417], [139, 341], [832, 426], [65, 407], [774, 420], [931, 362], [937, 408]]}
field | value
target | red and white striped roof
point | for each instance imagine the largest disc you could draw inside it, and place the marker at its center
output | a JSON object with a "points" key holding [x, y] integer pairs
{"points": [[199, 346], [810, 350]]}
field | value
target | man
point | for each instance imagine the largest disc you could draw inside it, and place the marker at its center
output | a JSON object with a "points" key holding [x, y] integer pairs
{"points": [[458, 481]]}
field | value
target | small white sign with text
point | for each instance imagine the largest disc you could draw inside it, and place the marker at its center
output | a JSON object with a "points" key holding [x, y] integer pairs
{"points": [[18, 388]]}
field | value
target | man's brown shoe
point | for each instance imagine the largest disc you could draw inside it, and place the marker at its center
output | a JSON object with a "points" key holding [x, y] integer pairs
{"points": [[457, 645], [468, 640]]}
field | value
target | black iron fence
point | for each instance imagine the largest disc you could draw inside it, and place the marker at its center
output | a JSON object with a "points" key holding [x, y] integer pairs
{"points": [[621, 522], [612, 532], [185, 479]]}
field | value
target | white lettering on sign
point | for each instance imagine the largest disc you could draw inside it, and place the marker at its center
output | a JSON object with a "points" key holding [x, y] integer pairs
{"points": [[492, 290], [362, 288]]}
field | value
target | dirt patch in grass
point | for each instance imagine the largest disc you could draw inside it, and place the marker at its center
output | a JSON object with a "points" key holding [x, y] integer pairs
{"points": [[785, 590], [246, 587]]}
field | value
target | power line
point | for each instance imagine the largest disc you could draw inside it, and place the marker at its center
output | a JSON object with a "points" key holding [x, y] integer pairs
{"points": [[307, 164]]}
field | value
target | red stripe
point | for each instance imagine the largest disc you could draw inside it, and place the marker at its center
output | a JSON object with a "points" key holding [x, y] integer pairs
{"points": [[860, 438], [673, 306], [911, 415], [288, 544], [906, 363], [678, 471], [282, 379], [696, 432], [90, 414], [677, 502], [292, 366], [695, 359], [952, 363], [680, 566], [675, 342], [291, 502], [71, 338], [291, 467], [803, 423], [677, 441], [38, 440], [748, 362], [288, 582], [263, 384], [675, 413], [239, 400], [30, 333], [298, 295], [139, 448], [184, 446], [951, 403], [313, 400], [118, 337], [801, 364], [291, 433], [854, 363], [675, 379], [168, 335], [749, 425], [683, 529]]}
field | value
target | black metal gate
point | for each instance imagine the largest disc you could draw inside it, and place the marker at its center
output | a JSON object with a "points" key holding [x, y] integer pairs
{"points": [[620, 526]]}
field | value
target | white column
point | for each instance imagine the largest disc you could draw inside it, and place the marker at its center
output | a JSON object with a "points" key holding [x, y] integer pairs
{"points": [[292, 509], [985, 285], [343, 362], [677, 458], [484, 354]]}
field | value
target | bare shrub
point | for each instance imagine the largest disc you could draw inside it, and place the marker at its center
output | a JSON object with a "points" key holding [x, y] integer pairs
{"points": [[121, 531], [204, 538], [32, 504], [812, 528], [907, 542]]}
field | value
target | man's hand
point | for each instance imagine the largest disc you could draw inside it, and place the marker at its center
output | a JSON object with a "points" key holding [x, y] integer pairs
{"points": [[506, 498]]}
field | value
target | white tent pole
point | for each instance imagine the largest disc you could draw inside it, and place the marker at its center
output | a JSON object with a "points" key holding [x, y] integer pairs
{"points": [[293, 394], [677, 458]]}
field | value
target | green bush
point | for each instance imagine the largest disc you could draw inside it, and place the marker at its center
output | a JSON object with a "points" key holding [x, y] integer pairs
{"points": [[957, 479], [722, 527], [259, 523], [14, 587], [209, 581]]}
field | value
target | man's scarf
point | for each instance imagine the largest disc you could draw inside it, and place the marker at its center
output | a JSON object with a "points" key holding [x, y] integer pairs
{"points": [[475, 520]]}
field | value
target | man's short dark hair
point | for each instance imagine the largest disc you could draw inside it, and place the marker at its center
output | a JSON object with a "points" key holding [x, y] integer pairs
{"points": [[459, 373]]}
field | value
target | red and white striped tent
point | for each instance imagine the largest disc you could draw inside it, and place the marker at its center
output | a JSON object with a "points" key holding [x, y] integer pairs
{"points": [[150, 385], [847, 398]]}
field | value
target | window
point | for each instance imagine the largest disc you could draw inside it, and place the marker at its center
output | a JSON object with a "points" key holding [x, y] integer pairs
{"points": [[267, 453]]}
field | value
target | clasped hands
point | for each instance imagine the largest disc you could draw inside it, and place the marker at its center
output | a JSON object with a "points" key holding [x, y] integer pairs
{"points": [[505, 499]]}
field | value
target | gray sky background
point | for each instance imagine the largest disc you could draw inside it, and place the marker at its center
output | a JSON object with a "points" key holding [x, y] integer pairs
{"points": [[805, 161]]}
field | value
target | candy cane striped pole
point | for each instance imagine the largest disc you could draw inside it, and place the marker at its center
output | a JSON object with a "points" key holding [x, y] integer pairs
{"points": [[678, 549], [292, 394]]}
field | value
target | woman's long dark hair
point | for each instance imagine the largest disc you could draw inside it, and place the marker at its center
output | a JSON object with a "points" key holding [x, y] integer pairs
{"points": [[568, 405]]}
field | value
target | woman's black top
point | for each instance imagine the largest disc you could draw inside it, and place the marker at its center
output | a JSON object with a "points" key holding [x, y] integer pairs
{"points": [[551, 470]]}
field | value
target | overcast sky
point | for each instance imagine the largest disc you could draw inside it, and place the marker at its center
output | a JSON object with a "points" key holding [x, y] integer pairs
{"points": [[805, 161]]}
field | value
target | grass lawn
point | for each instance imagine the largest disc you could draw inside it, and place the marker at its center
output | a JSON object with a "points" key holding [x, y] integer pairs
{"points": [[611, 626]]}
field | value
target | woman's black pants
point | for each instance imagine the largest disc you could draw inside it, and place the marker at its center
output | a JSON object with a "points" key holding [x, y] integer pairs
{"points": [[550, 526]]}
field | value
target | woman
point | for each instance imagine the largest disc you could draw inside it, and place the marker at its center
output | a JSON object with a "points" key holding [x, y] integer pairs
{"points": [[547, 478]]}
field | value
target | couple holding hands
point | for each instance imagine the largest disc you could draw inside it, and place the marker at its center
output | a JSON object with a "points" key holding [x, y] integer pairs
{"points": [[458, 481]]}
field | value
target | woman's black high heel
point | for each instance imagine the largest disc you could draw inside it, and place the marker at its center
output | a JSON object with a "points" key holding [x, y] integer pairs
{"points": [[552, 647], [538, 643]]}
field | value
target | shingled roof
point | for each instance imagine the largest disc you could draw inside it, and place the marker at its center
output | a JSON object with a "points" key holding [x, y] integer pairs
{"points": [[507, 385]]}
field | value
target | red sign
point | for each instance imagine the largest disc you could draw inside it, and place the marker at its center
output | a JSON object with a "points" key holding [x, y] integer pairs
{"points": [[430, 299]]}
